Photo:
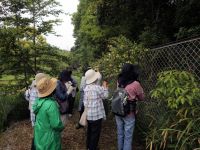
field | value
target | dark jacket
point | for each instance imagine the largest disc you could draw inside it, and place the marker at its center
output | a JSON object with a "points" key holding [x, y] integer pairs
{"points": [[61, 91]]}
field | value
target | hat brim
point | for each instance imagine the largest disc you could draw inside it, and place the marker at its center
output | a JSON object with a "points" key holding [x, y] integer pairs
{"points": [[92, 79], [52, 86], [99, 75]]}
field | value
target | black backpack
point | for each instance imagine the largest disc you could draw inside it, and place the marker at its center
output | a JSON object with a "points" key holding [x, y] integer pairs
{"points": [[119, 102], [121, 106]]}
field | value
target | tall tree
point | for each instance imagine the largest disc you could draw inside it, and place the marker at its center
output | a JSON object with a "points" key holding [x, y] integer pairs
{"points": [[13, 29], [40, 11], [23, 49]]}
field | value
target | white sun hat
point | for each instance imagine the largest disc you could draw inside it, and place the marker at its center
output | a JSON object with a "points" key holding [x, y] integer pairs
{"points": [[91, 76]]}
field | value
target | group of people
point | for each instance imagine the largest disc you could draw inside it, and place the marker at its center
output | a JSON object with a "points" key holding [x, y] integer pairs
{"points": [[52, 107]]}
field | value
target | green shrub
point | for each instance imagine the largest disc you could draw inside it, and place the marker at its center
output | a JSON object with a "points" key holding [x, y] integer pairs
{"points": [[121, 50], [179, 126], [12, 108], [177, 88]]}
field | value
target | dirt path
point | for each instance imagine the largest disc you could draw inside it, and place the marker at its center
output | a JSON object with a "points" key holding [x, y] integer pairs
{"points": [[19, 136]]}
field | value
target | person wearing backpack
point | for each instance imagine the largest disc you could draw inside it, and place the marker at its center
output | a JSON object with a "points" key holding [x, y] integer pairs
{"points": [[93, 104], [128, 79]]}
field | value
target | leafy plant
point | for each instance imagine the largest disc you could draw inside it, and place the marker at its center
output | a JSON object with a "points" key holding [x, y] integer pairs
{"points": [[121, 50], [179, 126], [177, 88]]}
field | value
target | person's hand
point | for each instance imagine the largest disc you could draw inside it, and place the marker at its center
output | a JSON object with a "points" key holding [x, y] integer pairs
{"points": [[70, 89], [105, 84]]}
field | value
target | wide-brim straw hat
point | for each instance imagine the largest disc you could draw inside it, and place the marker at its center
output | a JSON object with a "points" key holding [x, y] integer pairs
{"points": [[91, 76], [46, 86]]}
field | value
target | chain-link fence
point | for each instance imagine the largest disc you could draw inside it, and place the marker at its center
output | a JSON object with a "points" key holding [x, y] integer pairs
{"points": [[184, 56]]}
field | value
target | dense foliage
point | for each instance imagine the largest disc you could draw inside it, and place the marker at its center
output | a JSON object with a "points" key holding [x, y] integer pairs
{"points": [[177, 88], [150, 22], [178, 126], [120, 50]]}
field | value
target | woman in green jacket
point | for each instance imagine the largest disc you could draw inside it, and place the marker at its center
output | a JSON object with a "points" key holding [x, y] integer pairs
{"points": [[48, 126]]}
